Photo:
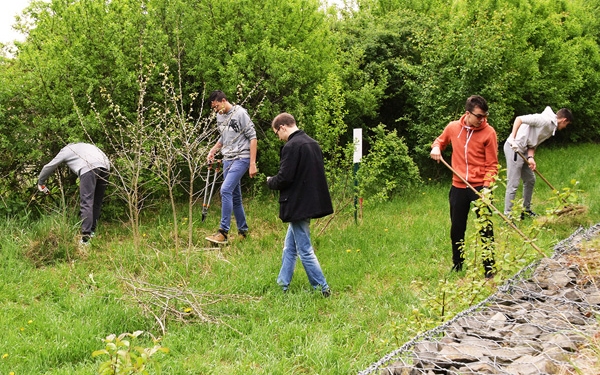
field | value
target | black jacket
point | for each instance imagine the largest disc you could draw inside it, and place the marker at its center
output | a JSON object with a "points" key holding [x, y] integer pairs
{"points": [[301, 180]]}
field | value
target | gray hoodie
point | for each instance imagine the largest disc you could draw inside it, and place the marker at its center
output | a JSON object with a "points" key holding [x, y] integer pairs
{"points": [[535, 129], [237, 130], [80, 158]]}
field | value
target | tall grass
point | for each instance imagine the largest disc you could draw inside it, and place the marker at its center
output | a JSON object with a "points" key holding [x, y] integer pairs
{"points": [[55, 313]]}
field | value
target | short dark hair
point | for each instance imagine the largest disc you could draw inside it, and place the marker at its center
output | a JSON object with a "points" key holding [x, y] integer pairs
{"points": [[283, 119], [217, 95], [565, 113], [476, 101]]}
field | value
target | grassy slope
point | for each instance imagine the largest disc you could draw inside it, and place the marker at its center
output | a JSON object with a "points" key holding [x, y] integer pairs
{"points": [[53, 317]]}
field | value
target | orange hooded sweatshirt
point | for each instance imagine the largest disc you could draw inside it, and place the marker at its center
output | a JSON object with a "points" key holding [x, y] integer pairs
{"points": [[474, 152]]}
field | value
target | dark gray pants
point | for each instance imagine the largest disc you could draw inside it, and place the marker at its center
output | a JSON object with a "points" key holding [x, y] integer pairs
{"points": [[92, 186]]}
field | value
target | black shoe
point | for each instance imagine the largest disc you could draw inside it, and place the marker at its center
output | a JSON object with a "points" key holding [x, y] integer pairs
{"points": [[326, 292], [528, 213], [85, 240], [243, 233], [457, 267]]}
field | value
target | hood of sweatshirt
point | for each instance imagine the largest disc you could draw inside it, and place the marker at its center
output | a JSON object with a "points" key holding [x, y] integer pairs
{"points": [[463, 123]]}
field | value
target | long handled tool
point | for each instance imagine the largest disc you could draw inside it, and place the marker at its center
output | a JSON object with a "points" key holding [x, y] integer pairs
{"points": [[208, 197], [205, 201], [568, 207], [506, 219], [536, 171]]}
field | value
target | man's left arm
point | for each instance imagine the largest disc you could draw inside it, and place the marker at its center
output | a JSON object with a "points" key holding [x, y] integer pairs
{"points": [[247, 128], [491, 161], [253, 147]]}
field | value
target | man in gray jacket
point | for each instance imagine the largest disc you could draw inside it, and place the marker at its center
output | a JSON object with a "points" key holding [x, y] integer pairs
{"points": [[237, 143], [527, 134], [92, 166]]}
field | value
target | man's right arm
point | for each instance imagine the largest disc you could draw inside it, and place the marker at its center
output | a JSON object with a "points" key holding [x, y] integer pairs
{"points": [[438, 145], [516, 125], [49, 168], [213, 151]]}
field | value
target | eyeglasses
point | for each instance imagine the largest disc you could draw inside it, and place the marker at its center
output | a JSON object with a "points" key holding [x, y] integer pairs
{"points": [[277, 131], [480, 116]]}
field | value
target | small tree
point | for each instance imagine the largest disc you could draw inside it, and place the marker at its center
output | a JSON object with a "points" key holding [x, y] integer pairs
{"points": [[388, 168], [132, 143]]}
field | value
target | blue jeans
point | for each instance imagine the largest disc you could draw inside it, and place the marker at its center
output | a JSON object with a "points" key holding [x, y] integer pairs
{"points": [[297, 244], [231, 194]]}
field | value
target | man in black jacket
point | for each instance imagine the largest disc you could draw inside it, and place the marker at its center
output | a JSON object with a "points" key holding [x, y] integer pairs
{"points": [[304, 195]]}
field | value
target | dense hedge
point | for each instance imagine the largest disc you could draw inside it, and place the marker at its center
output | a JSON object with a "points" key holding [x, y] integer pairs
{"points": [[406, 64]]}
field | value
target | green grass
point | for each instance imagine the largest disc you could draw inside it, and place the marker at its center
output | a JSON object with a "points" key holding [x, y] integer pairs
{"points": [[54, 314]]}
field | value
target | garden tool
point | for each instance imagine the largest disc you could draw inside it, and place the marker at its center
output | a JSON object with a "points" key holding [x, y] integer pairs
{"points": [[506, 219], [43, 194], [568, 207], [207, 195], [536, 171]]}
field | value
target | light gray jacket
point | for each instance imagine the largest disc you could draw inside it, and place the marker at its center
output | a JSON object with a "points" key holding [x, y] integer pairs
{"points": [[237, 130], [535, 129], [80, 158]]}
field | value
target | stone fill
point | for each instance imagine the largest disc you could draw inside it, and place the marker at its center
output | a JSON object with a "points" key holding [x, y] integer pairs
{"points": [[535, 324]]}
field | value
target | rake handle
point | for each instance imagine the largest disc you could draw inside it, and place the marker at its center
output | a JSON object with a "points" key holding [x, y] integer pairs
{"points": [[536, 171], [507, 220]]}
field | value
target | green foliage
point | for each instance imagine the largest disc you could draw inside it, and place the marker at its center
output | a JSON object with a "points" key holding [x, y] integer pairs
{"points": [[124, 358], [226, 301], [388, 169], [520, 55], [54, 240], [330, 129], [75, 48], [566, 199], [353, 69]]}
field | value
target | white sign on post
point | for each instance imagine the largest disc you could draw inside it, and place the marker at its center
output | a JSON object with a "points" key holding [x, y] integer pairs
{"points": [[357, 137]]}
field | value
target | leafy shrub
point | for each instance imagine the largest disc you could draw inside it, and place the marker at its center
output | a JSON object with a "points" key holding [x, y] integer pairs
{"points": [[387, 169], [125, 358]]}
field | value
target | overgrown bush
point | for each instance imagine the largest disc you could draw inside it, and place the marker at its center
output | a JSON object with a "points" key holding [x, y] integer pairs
{"points": [[388, 169]]}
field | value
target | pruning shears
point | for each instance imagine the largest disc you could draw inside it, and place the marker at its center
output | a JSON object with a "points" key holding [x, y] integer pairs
{"points": [[207, 195], [43, 192]]}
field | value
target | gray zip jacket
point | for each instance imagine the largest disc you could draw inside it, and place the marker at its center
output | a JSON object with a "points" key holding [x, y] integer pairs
{"points": [[237, 130], [535, 129], [80, 158]]}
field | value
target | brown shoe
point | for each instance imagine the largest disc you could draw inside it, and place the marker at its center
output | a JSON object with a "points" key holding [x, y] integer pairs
{"points": [[220, 237]]}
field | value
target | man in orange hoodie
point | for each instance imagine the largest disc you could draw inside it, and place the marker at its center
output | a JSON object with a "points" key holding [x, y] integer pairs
{"points": [[475, 158]]}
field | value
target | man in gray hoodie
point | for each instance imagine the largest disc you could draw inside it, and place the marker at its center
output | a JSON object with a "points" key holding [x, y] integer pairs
{"points": [[92, 166], [237, 143]]}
